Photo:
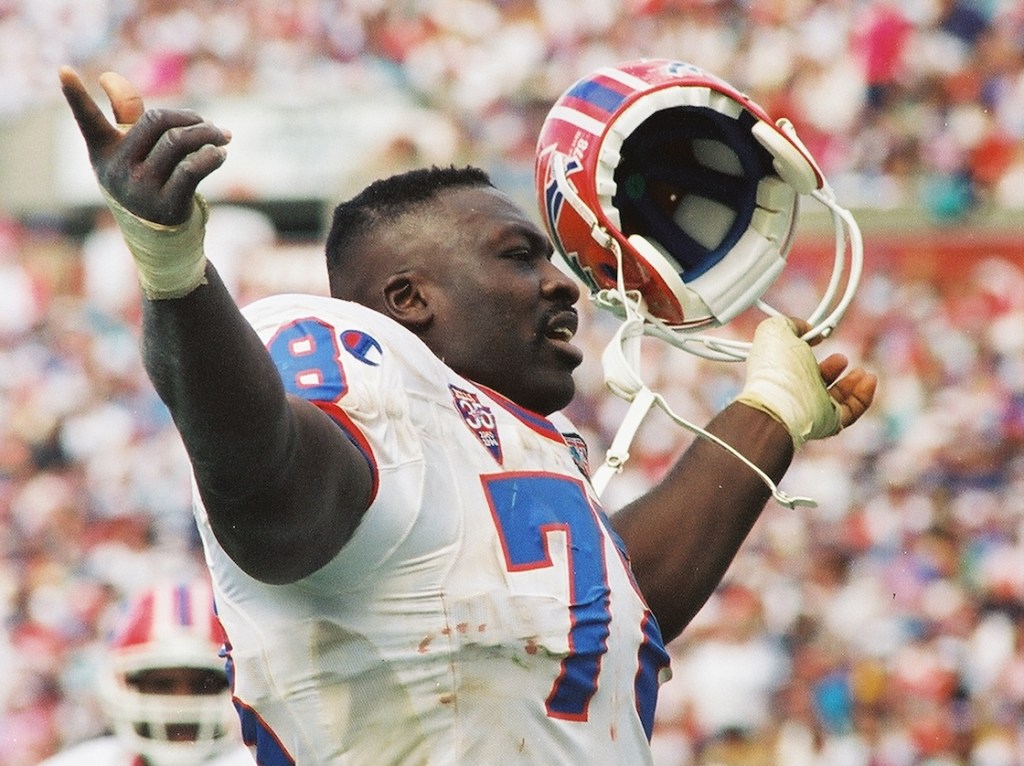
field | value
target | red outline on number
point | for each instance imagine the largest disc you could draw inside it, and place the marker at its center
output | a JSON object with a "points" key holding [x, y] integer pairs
{"points": [[543, 529], [265, 726], [332, 409]]}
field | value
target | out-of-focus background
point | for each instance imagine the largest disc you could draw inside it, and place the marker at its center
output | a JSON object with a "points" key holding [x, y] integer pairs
{"points": [[883, 628]]}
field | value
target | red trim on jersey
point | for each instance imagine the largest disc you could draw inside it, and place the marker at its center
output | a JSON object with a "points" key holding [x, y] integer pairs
{"points": [[249, 717], [528, 418], [339, 416]]}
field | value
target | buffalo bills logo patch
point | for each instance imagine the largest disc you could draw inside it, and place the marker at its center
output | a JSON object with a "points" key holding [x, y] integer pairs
{"points": [[479, 419]]}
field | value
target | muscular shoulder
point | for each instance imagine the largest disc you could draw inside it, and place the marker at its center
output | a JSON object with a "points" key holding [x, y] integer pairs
{"points": [[361, 368], [277, 308]]}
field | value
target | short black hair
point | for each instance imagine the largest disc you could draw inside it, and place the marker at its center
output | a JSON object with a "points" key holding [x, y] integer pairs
{"points": [[383, 201]]}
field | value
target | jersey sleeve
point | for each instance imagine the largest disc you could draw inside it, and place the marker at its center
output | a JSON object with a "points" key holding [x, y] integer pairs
{"points": [[373, 378], [338, 357]]}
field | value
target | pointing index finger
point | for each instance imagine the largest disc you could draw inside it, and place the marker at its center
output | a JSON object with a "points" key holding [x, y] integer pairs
{"points": [[93, 124]]}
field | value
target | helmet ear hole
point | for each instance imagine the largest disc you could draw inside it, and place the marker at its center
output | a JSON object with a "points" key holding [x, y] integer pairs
{"points": [[706, 220]]}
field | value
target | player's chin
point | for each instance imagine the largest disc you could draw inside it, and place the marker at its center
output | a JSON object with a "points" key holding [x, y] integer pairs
{"points": [[562, 353], [551, 392]]}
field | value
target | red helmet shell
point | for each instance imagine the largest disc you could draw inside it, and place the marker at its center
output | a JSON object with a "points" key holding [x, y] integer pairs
{"points": [[588, 127]]}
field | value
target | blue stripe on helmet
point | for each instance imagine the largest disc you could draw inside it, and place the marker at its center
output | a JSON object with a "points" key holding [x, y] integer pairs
{"points": [[599, 95]]}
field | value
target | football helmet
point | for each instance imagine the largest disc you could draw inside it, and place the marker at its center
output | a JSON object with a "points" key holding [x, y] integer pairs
{"points": [[669, 192], [169, 626]]}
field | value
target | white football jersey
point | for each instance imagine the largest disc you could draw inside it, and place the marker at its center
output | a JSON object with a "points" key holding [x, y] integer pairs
{"points": [[482, 613], [102, 751], [109, 751]]}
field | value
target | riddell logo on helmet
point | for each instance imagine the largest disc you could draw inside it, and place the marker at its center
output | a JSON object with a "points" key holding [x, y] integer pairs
{"points": [[578, 147]]}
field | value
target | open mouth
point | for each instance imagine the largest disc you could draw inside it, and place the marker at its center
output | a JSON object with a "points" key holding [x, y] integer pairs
{"points": [[563, 334], [560, 329], [562, 325]]}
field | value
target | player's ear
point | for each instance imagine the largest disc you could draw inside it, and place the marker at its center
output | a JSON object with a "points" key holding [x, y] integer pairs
{"points": [[406, 302]]}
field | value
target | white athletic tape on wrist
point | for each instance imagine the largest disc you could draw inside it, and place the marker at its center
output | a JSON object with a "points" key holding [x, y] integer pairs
{"points": [[783, 380], [169, 259]]}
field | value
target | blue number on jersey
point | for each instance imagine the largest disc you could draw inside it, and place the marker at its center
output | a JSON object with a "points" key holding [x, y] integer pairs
{"points": [[255, 731], [307, 356], [526, 508], [651, 658]]}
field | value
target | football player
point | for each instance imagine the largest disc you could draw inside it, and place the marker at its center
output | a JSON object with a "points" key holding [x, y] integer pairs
{"points": [[164, 687], [409, 558]]}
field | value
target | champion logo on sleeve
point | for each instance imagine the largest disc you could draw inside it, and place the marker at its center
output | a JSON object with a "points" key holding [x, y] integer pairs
{"points": [[363, 347]]}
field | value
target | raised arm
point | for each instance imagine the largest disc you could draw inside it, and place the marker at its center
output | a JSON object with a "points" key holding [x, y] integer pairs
{"points": [[283, 487], [683, 534]]}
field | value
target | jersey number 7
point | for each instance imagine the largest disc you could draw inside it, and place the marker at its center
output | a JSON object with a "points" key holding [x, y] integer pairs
{"points": [[527, 508]]}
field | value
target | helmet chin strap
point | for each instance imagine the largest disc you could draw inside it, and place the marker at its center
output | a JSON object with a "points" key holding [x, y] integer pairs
{"points": [[621, 363], [621, 357]]}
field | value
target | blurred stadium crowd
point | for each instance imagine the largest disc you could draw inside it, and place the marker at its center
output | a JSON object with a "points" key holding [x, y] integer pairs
{"points": [[884, 628], [916, 101]]}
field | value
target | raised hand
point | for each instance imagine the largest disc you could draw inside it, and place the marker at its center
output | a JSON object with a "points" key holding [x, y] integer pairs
{"points": [[152, 161], [808, 397]]}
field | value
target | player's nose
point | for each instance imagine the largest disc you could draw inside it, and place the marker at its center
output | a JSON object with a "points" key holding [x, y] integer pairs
{"points": [[557, 284]]}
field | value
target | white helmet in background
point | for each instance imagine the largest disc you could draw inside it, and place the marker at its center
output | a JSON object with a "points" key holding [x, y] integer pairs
{"points": [[169, 628]]}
